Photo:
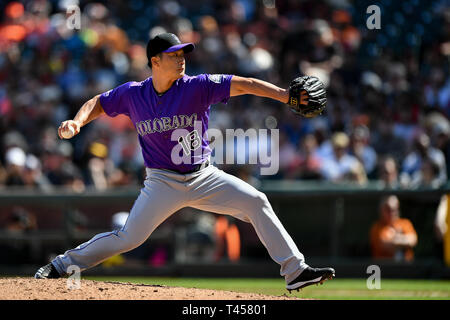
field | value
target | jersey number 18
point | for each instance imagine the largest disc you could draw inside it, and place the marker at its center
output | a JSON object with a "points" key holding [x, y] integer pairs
{"points": [[190, 142]]}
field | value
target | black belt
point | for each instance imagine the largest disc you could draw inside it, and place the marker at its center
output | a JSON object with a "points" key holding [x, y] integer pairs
{"points": [[197, 167]]}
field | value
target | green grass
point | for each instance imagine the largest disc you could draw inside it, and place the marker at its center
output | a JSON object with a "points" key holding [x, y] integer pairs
{"points": [[341, 289]]}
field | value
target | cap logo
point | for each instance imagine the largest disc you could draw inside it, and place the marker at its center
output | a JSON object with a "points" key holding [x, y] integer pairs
{"points": [[173, 37]]}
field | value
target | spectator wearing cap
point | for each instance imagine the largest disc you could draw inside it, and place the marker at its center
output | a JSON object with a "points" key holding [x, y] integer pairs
{"points": [[386, 143], [99, 166], [57, 162], [341, 166], [123, 175], [307, 164], [15, 159], [423, 154], [387, 173], [427, 176], [71, 178], [361, 150], [437, 91], [33, 176]]}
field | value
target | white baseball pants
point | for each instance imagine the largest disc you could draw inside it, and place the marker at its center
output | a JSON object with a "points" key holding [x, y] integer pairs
{"points": [[209, 189]]}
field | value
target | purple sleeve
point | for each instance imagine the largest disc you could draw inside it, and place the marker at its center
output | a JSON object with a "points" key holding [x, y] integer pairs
{"points": [[217, 87], [116, 101]]}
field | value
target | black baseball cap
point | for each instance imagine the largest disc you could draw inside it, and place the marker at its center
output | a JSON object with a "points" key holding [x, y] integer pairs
{"points": [[166, 42]]}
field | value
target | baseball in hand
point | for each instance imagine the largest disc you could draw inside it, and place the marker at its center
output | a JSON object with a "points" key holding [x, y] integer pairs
{"points": [[68, 133]]}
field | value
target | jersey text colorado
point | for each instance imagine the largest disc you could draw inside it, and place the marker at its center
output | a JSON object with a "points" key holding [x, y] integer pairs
{"points": [[165, 123]]}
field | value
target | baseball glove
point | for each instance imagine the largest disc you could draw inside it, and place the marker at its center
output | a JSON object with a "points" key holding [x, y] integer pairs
{"points": [[307, 96]]}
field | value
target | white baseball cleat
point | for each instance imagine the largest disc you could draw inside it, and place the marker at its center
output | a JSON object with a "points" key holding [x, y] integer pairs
{"points": [[47, 272]]}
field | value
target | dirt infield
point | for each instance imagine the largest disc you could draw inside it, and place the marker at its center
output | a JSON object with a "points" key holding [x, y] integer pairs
{"points": [[58, 289]]}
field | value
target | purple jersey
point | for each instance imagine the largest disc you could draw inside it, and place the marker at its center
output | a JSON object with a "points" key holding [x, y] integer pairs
{"points": [[185, 104]]}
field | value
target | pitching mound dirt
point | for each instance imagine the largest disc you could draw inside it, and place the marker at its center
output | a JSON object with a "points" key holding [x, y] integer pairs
{"points": [[57, 289]]}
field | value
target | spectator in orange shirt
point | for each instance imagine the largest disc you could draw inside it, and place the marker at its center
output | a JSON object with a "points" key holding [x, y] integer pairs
{"points": [[392, 237]]}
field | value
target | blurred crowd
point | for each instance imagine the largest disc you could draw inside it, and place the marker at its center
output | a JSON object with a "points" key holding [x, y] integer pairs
{"points": [[387, 117]]}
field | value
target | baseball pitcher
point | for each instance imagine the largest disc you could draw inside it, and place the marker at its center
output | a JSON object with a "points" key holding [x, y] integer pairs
{"points": [[168, 101]]}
